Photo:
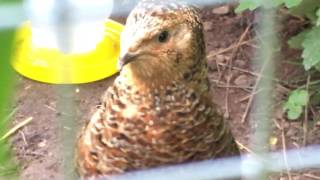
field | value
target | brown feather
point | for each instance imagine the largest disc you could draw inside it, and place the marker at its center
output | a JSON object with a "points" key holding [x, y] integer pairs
{"points": [[159, 110]]}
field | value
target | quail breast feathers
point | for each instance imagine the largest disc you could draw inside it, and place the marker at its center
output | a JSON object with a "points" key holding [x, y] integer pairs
{"points": [[159, 110]]}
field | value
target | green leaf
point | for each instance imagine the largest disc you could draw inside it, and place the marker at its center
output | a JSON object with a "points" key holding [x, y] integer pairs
{"points": [[292, 3], [318, 17], [297, 40], [311, 45], [317, 67], [248, 4], [300, 97], [253, 4], [295, 112], [315, 99], [272, 4], [277, 2], [296, 101], [306, 8]]}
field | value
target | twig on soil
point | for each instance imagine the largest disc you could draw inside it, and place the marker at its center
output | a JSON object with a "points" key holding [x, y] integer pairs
{"points": [[245, 88], [254, 92], [305, 121], [247, 97], [233, 46], [239, 69], [311, 83], [315, 114], [277, 124], [15, 128], [50, 107], [223, 85], [226, 114], [23, 137], [245, 114], [296, 145], [235, 50], [250, 72], [253, 46], [229, 48], [218, 68], [244, 147], [286, 12]]}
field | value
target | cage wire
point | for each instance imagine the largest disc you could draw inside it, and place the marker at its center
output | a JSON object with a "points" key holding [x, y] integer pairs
{"points": [[254, 166], [65, 102], [11, 15], [298, 159]]}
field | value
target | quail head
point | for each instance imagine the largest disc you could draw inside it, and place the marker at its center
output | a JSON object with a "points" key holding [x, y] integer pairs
{"points": [[159, 110]]}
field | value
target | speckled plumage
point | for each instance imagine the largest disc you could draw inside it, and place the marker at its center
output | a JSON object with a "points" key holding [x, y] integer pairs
{"points": [[159, 110]]}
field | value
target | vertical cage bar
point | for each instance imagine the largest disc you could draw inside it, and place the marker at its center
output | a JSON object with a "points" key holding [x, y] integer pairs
{"points": [[261, 112], [65, 102]]}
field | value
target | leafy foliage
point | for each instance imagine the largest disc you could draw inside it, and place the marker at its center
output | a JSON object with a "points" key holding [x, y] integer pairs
{"points": [[291, 3], [308, 9], [8, 167], [248, 4], [307, 41], [297, 40], [253, 4], [297, 100], [311, 45]]}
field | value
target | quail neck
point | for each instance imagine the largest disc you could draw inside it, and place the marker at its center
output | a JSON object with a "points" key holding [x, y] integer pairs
{"points": [[162, 44]]}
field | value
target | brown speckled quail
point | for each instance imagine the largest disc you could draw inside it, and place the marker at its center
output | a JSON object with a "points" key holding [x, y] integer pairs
{"points": [[159, 110]]}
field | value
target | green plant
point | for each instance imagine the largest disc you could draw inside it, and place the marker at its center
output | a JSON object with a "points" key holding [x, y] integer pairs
{"points": [[307, 41], [297, 100], [8, 165], [253, 4]]}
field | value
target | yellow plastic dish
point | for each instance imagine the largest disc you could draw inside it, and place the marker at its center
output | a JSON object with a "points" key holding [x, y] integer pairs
{"points": [[52, 66]]}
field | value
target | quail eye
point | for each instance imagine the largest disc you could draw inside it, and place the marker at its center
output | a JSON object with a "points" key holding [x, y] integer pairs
{"points": [[163, 36]]}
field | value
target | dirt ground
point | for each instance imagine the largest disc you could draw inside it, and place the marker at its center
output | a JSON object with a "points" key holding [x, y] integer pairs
{"points": [[37, 144]]}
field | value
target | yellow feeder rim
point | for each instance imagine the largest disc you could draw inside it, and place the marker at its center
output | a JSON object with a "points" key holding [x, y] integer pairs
{"points": [[55, 67]]}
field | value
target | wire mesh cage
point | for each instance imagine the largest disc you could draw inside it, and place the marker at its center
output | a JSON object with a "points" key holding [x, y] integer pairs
{"points": [[65, 104]]}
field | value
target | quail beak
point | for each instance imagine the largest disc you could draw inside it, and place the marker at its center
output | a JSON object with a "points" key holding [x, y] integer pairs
{"points": [[126, 58]]}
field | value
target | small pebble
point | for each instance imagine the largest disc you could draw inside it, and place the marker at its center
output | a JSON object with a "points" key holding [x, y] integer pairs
{"points": [[222, 10], [43, 143], [242, 80], [207, 25], [291, 132], [239, 63]]}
